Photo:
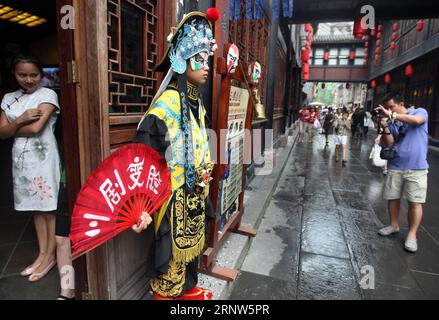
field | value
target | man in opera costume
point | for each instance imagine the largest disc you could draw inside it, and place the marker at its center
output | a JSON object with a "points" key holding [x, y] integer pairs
{"points": [[175, 126]]}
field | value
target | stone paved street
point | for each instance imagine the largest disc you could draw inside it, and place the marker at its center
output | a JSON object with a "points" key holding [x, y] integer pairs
{"points": [[320, 230]]}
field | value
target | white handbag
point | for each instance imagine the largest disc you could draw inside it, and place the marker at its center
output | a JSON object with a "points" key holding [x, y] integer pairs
{"points": [[375, 156]]}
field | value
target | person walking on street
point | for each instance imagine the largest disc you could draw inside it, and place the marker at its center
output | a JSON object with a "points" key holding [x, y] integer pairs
{"points": [[406, 130], [368, 123], [328, 125], [314, 116], [304, 116], [342, 127]]}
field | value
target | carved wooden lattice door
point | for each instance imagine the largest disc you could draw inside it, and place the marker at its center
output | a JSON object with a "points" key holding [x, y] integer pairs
{"points": [[251, 37], [132, 53]]}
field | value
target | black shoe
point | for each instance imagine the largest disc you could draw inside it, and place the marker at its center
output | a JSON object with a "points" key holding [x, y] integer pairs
{"points": [[343, 163], [61, 297]]}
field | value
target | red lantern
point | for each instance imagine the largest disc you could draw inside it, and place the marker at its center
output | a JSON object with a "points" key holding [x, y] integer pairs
{"points": [[309, 37], [305, 68], [387, 78], [366, 44], [377, 50], [377, 57], [359, 31], [373, 84], [394, 36], [409, 70], [308, 27], [380, 27], [305, 55], [352, 55], [395, 27], [366, 51], [308, 46], [373, 33], [326, 56], [378, 43], [420, 25], [379, 35], [393, 45]]}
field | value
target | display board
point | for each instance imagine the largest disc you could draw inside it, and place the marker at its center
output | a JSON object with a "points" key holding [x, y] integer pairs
{"points": [[233, 115], [231, 185]]}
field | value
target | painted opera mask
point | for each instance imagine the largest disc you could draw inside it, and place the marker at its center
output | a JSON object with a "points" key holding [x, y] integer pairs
{"points": [[256, 73], [232, 59]]}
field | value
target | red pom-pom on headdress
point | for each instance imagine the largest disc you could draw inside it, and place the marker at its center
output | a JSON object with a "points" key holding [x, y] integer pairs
{"points": [[212, 14]]}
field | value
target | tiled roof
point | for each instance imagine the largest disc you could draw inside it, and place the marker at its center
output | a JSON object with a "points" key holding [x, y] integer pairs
{"points": [[336, 38]]}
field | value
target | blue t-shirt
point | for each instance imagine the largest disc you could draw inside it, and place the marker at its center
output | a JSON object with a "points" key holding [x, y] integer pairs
{"points": [[411, 143]]}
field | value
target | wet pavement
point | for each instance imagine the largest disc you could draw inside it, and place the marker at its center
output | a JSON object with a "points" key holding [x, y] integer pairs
{"points": [[318, 238]]}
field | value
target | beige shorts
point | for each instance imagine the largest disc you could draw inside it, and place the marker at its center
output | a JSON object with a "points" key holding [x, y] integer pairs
{"points": [[410, 184], [340, 140]]}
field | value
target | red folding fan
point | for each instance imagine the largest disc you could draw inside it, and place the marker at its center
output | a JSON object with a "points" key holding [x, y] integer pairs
{"points": [[132, 180]]}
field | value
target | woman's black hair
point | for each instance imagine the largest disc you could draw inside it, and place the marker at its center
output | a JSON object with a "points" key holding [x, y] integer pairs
{"points": [[25, 58]]}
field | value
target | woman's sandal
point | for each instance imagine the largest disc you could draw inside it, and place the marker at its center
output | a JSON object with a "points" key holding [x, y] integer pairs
{"points": [[29, 270], [41, 275]]}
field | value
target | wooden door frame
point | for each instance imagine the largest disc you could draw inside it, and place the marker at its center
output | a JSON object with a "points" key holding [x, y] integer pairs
{"points": [[91, 54], [69, 119]]}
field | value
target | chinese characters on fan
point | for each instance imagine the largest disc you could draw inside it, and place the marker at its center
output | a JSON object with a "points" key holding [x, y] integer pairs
{"points": [[114, 190]]}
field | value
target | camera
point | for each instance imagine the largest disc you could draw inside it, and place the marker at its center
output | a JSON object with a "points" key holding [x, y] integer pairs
{"points": [[375, 113]]}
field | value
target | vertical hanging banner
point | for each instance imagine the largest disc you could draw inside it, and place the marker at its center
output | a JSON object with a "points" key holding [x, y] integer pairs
{"points": [[275, 9], [287, 6], [248, 9], [231, 9], [237, 10], [256, 11], [234, 10]]}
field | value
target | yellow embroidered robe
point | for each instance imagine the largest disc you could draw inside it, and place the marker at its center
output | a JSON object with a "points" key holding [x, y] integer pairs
{"points": [[180, 224]]}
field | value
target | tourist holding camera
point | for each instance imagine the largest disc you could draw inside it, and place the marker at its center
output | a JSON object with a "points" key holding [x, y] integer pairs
{"points": [[405, 134]]}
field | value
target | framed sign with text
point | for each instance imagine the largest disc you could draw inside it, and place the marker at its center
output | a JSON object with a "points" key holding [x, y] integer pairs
{"points": [[233, 118]]}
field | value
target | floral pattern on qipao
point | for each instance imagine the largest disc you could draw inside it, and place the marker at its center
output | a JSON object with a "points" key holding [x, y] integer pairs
{"points": [[37, 187], [40, 188], [40, 148]]}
